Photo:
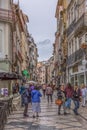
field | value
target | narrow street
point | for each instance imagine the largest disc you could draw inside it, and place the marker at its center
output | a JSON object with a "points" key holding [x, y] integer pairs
{"points": [[48, 120]]}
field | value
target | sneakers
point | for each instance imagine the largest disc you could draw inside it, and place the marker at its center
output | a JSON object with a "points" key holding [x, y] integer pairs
{"points": [[33, 116], [25, 115], [65, 113], [58, 113], [76, 113]]}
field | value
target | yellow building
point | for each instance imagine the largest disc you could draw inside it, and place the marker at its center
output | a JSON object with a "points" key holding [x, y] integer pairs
{"points": [[60, 46]]}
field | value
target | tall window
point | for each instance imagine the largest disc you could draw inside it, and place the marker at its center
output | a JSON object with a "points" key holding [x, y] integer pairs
{"points": [[0, 41], [71, 14], [72, 46], [80, 41], [75, 11], [85, 37], [75, 44]]}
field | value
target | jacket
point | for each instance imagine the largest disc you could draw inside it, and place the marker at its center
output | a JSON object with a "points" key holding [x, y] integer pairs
{"points": [[35, 96], [26, 96], [61, 95]]}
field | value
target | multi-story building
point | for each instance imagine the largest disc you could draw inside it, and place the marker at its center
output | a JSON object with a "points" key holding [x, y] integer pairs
{"points": [[60, 45], [41, 73], [15, 53], [7, 20], [33, 55], [77, 41]]}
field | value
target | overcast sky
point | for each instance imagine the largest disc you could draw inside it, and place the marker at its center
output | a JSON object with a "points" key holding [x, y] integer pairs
{"points": [[42, 21]]}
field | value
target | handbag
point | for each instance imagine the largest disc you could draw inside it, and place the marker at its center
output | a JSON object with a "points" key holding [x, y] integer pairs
{"points": [[58, 102]]}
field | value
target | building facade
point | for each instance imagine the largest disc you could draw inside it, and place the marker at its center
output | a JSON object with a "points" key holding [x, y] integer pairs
{"points": [[77, 41]]}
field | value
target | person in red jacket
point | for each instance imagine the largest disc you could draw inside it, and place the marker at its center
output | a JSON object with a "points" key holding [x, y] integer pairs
{"points": [[69, 94]]}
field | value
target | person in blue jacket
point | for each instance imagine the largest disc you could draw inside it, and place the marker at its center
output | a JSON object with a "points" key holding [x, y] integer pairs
{"points": [[21, 91], [35, 99]]}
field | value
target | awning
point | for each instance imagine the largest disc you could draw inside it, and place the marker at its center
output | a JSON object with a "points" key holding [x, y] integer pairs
{"points": [[9, 76]]}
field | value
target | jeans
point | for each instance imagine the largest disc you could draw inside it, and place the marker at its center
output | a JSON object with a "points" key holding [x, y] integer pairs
{"points": [[68, 103], [26, 109], [77, 104], [59, 108], [49, 96], [83, 100]]}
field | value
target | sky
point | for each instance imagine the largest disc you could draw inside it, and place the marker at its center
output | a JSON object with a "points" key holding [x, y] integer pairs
{"points": [[42, 23]]}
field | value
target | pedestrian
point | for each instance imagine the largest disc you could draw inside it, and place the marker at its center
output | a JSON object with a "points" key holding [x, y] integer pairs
{"points": [[27, 99], [83, 91], [76, 99], [69, 94], [21, 91], [31, 87], [49, 93], [35, 98], [61, 96], [44, 89], [15, 88]]}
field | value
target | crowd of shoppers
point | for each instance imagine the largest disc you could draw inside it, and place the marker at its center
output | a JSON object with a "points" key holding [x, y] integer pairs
{"points": [[31, 93]]}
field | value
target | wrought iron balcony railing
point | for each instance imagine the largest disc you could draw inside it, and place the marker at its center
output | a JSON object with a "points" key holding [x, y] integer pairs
{"points": [[71, 27], [7, 15], [81, 24], [77, 56]]}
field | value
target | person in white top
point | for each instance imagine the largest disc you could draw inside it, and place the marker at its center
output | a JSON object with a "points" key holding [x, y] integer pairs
{"points": [[83, 91]]}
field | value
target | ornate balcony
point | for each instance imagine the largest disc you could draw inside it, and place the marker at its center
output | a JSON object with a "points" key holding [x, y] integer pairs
{"points": [[81, 24], [7, 16], [75, 57]]}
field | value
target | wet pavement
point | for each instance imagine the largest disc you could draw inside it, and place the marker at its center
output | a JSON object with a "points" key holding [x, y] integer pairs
{"points": [[48, 120]]}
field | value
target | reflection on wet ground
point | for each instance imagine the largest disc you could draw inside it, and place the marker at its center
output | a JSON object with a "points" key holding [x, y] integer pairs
{"points": [[48, 120]]}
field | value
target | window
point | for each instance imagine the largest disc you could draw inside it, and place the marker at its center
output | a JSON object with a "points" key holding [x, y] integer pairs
{"points": [[69, 48], [80, 41], [85, 37], [71, 14], [75, 44], [72, 46], [0, 41], [69, 18], [75, 11]]}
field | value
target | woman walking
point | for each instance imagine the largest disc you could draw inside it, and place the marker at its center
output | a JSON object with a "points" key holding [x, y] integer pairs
{"points": [[49, 93], [62, 97], [35, 98], [76, 99], [83, 91], [26, 99]]}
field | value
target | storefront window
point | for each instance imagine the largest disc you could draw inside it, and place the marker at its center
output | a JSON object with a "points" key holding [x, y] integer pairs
{"points": [[81, 79], [72, 81]]}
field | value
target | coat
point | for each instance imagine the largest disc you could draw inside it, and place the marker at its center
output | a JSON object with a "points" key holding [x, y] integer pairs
{"points": [[35, 96]]}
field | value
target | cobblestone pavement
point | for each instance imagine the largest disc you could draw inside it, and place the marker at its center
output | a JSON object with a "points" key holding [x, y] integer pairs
{"points": [[48, 120]]}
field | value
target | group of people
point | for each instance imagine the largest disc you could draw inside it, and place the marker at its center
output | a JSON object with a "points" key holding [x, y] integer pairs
{"points": [[68, 93], [30, 94]]}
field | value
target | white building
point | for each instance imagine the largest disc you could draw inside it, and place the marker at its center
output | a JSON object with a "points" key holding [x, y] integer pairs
{"points": [[77, 36], [6, 23]]}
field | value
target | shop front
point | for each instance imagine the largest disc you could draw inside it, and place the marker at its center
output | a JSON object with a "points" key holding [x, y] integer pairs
{"points": [[79, 78]]}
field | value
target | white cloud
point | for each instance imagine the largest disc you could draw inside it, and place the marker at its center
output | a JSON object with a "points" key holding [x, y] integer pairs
{"points": [[42, 22]]}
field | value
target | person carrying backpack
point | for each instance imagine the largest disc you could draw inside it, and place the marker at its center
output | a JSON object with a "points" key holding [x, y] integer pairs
{"points": [[62, 97], [49, 93]]}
